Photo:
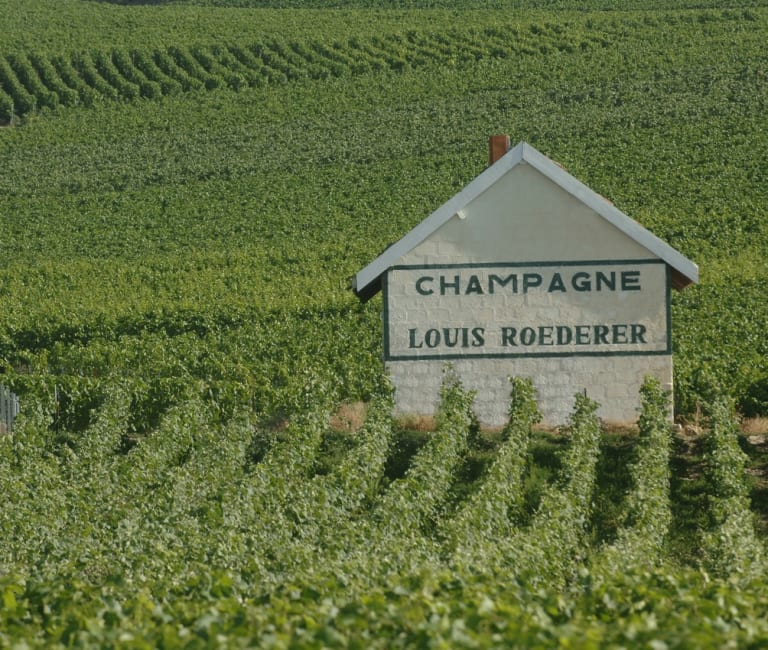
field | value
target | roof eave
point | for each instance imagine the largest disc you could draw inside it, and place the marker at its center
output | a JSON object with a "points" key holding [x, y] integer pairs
{"points": [[684, 271], [367, 282], [372, 272]]}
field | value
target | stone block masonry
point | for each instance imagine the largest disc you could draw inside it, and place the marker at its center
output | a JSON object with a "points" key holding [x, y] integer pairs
{"points": [[510, 310], [527, 272], [596, 326], [613, 382]]}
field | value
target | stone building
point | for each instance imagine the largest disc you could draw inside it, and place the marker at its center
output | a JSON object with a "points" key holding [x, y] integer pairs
{"points": [[527, 272]]}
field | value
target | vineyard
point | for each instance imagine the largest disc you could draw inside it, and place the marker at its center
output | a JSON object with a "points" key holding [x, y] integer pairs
{"points": [[208, 533], [30, 82], [205, 455]]}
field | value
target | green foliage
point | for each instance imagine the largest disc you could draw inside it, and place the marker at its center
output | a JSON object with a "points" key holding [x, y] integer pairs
{"points": [[731, 546], [648, 503], [551, 5], [188, 189], [489, 514], [754, 402], [22, 100], [411, 507], [183, 536], [551, 549], [138, 196], [6, 107], [647, 513], [135, 74]]}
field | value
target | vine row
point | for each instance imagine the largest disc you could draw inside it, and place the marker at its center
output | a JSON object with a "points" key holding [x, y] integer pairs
{"points": [[490, 512], [647, 511], [30, 82], [556, 542], [731, 545]]}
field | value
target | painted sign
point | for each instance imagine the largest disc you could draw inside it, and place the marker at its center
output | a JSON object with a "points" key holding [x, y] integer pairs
{"points": [[527, 272], [533, 309]]}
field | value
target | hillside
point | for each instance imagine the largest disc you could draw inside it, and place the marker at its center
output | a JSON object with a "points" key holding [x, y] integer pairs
{"points": [[210, 187], [186, 188]]}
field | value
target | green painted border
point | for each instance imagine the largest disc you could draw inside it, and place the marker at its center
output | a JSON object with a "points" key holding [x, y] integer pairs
{"points": [[669, 309], [498, 265], [533, 355], [385, 314]]}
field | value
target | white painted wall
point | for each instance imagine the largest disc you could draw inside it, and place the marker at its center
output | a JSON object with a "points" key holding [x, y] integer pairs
{"points": [[614, 382], [524, 217]]}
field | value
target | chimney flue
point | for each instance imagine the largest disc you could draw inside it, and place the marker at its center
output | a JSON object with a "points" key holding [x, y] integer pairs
{"points": [[498, 145]]}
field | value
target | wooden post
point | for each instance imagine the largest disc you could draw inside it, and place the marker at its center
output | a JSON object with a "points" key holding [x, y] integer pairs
{"points": [[498, 145]]}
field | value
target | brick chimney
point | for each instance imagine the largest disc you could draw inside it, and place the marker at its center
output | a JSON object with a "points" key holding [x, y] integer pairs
{"points": [[498, 145]]}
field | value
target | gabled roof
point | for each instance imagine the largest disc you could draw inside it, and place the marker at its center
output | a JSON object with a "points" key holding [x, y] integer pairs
{"points": [[367, 282]]}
